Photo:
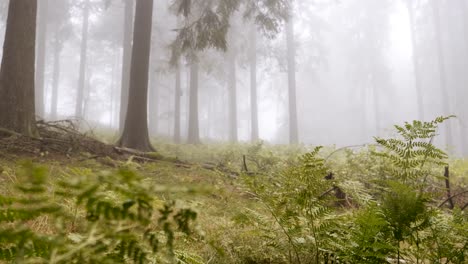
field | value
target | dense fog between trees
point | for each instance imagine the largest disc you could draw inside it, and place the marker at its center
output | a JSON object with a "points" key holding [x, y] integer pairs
{"points": [[349, 69]]}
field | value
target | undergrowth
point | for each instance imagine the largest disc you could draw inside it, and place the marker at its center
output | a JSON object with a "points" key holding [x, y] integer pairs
{"points": [[110, 217], [390, 217], [381, 203]]}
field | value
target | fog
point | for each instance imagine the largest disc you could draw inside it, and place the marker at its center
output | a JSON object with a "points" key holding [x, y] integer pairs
{"points": [[359, 67]]}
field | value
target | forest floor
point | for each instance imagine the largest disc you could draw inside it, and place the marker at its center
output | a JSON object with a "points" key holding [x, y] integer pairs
{"points": [[209, 179], [204, 178]]}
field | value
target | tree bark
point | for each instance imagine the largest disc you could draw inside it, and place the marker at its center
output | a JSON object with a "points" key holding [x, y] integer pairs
{"points": [[440, 56], [126, 60], [376, 103], [193, 127], [135, 134], [17, 107], [291, 50], [416, 68], [79, 111], [56, 77], [177, 95], [232, 90], [111, 92], [153, 104], [463, 111], [43, 6], [253, 86]]}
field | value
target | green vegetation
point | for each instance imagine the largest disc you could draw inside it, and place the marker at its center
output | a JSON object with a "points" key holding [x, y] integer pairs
{"points": [[240, 204]]}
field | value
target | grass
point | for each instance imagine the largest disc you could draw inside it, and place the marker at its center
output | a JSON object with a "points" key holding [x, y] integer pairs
{"points": [[222, 233]]}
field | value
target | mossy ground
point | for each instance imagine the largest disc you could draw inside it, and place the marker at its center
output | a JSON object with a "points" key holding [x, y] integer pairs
{"points": [[209, 181]]}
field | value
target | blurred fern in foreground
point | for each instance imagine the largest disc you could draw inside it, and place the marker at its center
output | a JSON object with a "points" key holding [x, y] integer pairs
{"points": [[104, 218]]}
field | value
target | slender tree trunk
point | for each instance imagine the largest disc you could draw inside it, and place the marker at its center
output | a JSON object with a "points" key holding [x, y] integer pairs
{"points": [[111, 95], [232, 87], [135, 134], [17, 107], [193, 127], [153, 104], [440, 56], [463, 111], [79, 111], [364, 119], [253, 86], [293, 126], [416, 68], [177, 95], [126, 60], [113, 89], [43, 6], [87, 94], [55, 77], [376, 103]]}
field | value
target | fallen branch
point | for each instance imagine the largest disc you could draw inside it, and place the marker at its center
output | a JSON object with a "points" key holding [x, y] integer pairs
{"points": [[347, 147], [451, 197], [10, 132]]}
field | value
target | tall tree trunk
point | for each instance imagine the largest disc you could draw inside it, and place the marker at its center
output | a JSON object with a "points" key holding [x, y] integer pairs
{"points": [[376, 103], [463, 111], [440, 56], [253, 86], [135, 134], [113, 89], [193, 127], [79, 111], [55, 77], [153, 103], [463, 92], [87, 94], [293, 129], [177, 95], [364, 119], [126, 60], [416, 68], [43, 6], [232, 90], [17, 107]]}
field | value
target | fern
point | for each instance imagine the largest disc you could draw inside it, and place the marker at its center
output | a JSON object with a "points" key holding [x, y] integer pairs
{"points": [[411, 154], [113, 220], [302, 214], [366, 239]]}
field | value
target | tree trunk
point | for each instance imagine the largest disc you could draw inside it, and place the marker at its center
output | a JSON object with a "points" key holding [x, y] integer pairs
{"points": [[232, 87], [177, 95], [135, 134], [416, 70], [463, 111], [291, 49], [253, 86], [193, 127], [376, 103], [79, 111], [87, 94], [440, 56], [43, 6], [153, 104], [17, 107], [126, 60], [56, 77]]}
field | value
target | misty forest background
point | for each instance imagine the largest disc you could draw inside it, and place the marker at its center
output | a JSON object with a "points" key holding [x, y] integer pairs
{"points": [[340, 73], [191, 131]]}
